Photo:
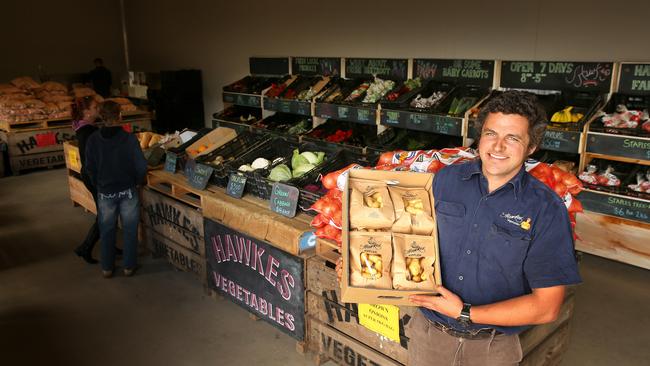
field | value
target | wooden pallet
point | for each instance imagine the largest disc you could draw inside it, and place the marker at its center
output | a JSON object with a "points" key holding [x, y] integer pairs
{"points": [[37, 124], [176, 186]]}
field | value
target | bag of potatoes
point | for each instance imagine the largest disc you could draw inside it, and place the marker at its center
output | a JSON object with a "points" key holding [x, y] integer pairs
{"points": [[370, 205], [413, 262], [370, 258], [412, 211]]}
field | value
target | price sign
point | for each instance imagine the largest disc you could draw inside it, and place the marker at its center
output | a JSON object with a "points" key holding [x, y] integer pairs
{"points": [[170, 162], [325, 110], [563, 141], [447, 125], [391, 118], [284, 199], [365, 116], [200, 176], [623, 207], [623, 146], [236, 185], [189, 167], [382, 319]]}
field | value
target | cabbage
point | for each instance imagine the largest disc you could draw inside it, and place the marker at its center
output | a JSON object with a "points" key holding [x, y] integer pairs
{"points": [[299, 171], [260, 163], [320, 156], [297, 159], [310, 156], [280, 173]]}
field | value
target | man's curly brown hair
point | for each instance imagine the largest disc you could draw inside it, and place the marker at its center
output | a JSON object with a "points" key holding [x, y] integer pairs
{"points": [[518, 102]]}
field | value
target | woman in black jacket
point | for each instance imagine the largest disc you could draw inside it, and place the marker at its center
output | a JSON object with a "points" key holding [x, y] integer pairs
{"points": [[85, 111]]}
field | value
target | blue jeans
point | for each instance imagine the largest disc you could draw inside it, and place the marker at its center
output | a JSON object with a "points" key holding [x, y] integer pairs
{"points": [[126, 205]]}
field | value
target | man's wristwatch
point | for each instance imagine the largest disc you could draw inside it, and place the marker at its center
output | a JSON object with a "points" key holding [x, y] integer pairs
{"points": [[464, 318]]}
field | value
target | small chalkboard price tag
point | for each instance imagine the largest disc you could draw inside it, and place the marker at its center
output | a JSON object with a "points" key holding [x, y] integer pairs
{"points": [[236, 185], [189, 167], [284, 199], [200, 176], [170, 162]]}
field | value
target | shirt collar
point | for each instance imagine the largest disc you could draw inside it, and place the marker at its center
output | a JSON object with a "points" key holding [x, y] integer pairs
{"points": [[473, 168]]}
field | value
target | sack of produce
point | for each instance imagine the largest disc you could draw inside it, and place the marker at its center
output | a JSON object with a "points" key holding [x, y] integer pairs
{"points": [[413, 261], [412, 211], [370, 258], [370, 205]]}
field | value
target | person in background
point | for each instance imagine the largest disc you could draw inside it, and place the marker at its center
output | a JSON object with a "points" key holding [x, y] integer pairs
{"points": [[116, 166], [84, 114], [101, 79]]}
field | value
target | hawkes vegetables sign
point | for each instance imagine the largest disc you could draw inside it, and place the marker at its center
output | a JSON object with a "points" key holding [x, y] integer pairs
{"points": [[262, 279]]}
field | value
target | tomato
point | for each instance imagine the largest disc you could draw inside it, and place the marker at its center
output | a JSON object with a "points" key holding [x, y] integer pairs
{"points": [[435, 166], [386, 158]]}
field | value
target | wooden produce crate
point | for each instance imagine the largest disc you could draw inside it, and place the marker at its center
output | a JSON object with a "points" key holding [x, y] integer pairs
{"points": [[253, 217], [36, 148], [614, 238], [174, 220], [179, 256], [328, 250], [175, 185], [541, 345]]}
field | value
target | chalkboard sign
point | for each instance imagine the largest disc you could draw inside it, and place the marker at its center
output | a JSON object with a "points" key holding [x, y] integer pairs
{"points": [[391, 118], [447, 125], [236, 185], [200, 176], [189, 166], [245, 100], [170, 162], [614, 205], [288, 106], [257, 276], [561, 75], [563, 141], [284, 199], [325, 110], [328, 66], [466, 72], [394, 69], [635, 79], [276, 66], [616, 145]]}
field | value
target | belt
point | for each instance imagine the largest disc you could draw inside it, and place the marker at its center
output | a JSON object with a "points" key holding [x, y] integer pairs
{"points": [[482, 333]]}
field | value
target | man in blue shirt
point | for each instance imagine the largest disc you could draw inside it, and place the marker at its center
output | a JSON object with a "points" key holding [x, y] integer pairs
{"points": [[506, 247]]}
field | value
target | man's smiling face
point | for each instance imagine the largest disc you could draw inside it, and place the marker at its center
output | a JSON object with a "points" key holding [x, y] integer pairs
{"points": [[503, 147]]}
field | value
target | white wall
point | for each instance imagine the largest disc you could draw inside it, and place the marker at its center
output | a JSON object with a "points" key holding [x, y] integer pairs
{"points": [[219, 36], [62, 36]]}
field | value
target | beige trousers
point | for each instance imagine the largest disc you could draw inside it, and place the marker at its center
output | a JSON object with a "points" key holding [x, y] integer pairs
{"points": [[429, 346]]}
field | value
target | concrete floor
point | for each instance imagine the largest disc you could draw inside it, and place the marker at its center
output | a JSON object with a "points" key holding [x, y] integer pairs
{"points": [[56, 310]]}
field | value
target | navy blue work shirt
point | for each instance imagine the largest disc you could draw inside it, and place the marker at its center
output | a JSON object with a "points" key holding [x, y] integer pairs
{"points": [[500, 245]]}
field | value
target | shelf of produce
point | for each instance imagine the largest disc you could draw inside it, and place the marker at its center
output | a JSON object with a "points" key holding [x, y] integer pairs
{"points": [[441, 124], [247, 100], [365, 115], [303, 108], [614, 238]]}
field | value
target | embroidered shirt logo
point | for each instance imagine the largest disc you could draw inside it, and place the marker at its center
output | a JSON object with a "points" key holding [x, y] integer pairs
{"points": [[517, 220]]}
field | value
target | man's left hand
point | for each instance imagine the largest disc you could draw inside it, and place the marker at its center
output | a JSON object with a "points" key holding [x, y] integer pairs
{"points": [[446, 303]]}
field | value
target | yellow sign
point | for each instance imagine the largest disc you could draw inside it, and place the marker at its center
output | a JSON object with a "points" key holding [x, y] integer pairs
{"points": [[73, 158], [382, 319]]}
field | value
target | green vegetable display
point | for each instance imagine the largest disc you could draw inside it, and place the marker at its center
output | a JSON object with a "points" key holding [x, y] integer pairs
{"points": [[301, 164], [280, 173]]}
